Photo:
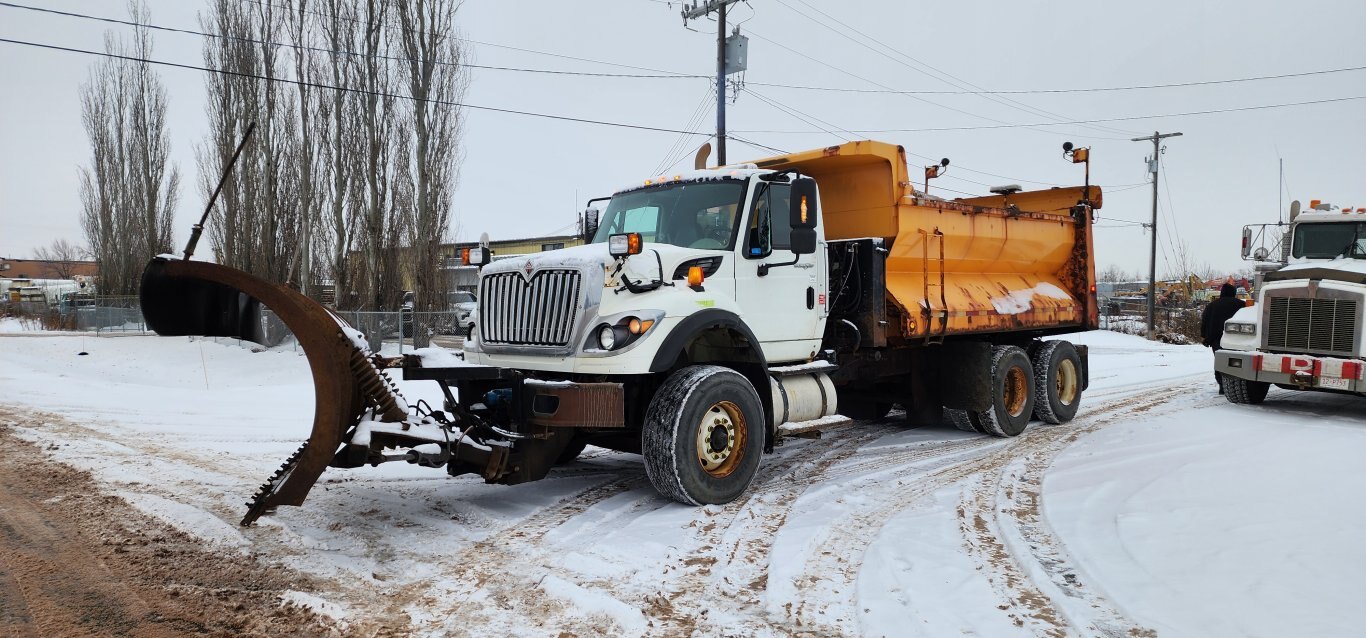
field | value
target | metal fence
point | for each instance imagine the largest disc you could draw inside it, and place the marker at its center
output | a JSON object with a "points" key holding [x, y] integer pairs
{"points": [[84, 313], [400, 329], [1130, 316]]}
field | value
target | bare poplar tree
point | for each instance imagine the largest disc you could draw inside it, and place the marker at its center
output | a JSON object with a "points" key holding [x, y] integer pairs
{"points": [[351, 175], [129, 190], [380, 277], [339, 139], [435, 81], [259, 223]]}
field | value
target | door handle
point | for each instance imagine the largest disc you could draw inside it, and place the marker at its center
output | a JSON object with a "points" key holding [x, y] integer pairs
{"points": [[810, 298]]}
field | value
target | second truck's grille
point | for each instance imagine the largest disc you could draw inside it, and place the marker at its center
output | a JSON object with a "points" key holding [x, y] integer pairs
{"points": [[1323, 325], [536, 312]]}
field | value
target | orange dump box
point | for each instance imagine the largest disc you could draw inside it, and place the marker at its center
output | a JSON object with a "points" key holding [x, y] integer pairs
{"points": [[1019, 261]]}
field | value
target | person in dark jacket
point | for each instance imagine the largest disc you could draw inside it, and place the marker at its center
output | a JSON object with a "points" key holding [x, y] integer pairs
{"points": [[1212, 321]]}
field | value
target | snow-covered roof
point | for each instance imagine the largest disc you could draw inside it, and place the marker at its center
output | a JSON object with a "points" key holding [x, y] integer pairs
{"points": [[704, 175]]}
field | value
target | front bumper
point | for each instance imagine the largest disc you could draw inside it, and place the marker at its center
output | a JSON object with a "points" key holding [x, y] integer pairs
{"points": [[530, 404], [1303, 371]]}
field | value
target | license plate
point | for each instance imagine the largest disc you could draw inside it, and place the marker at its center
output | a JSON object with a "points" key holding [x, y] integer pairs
{"points": [[1335, 384]]}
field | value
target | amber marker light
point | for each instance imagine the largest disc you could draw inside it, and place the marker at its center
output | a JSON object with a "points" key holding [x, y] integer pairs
{"points": [[695, 276]]}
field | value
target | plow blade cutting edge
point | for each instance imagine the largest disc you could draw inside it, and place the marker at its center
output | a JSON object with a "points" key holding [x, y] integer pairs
{"points": [[185, 298]]}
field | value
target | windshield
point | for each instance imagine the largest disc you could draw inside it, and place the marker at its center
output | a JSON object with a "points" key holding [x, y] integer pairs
{"points": [[692, 215], [1330, 240], [462, 297]]}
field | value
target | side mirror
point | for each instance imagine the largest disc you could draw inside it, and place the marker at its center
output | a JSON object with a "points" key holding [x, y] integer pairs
{"points": [[803, 213], [1247, 241], [590, 223], [803, 241]]}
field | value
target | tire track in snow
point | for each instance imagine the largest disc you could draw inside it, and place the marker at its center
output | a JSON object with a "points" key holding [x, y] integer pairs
{"points": [[736, 540], [1001, 519], [831, 572], [502, 572]]}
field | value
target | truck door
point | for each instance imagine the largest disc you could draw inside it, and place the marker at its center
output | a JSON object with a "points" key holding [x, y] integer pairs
{"points": [[786, 306]]}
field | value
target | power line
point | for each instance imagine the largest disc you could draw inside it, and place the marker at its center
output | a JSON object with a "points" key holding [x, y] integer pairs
{"points": [[952, 81], [1136, 87], [680, 142], [1129, 118], [863, 79], [757, 145], [809, 119], [318, 85], [806, 117], [1123, 221], [393, 27], [301, 47]]}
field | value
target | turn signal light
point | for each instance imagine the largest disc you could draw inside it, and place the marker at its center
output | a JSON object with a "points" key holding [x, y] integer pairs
{"points": [[625, 244], [639, 326], [695, 276]]}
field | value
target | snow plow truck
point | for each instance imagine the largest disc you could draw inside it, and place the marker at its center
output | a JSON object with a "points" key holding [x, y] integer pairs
{"points": [[711, 315]]}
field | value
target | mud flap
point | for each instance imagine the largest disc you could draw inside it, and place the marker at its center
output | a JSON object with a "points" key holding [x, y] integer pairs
{"points": [[182, 298]]}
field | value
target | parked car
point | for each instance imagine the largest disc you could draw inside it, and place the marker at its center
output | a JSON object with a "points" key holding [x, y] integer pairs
{"points": [[463, 304]]}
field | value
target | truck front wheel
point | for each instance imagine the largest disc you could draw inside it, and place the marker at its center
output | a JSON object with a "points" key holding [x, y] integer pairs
{"points": [[703, 435], [1012, 394], [1244, 392]]}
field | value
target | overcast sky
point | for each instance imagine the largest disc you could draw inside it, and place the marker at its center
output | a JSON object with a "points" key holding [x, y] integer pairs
{"points": [[526, 176]]}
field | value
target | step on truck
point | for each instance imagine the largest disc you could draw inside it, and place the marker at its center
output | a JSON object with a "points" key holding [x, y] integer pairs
{"points": [[1305, 331], [711, 315]]}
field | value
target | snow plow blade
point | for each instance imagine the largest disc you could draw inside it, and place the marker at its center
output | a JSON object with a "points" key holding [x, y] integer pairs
{"points": [[184, 298]]}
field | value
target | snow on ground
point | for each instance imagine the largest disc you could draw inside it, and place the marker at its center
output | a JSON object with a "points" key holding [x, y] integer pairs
{"points": [[1161, 508]]}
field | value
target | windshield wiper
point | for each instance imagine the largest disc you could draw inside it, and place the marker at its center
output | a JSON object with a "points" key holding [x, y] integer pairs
{"points": [[1350, 247]]}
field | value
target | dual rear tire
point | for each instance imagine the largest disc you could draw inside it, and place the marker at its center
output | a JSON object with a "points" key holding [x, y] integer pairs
{"points": [[1047, 387]]}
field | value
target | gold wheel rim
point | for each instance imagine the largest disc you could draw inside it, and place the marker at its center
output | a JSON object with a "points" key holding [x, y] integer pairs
{"points": [[1067, 382], [721, 439], [1016, 392]]}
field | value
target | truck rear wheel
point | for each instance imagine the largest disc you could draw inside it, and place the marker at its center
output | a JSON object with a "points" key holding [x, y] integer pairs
{"points": [[1244, 392], [703, 435], [1057, 382], [1012, 394]]}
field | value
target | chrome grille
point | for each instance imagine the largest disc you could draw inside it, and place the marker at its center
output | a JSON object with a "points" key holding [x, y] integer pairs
{"points": [[1318, 325], [538, 312]]}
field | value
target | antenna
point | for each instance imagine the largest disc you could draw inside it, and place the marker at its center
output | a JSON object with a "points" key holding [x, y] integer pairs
{"points": [[198, 229]]}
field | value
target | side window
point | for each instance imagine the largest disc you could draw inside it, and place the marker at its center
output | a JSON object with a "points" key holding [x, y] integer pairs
{"points": [[768, 218]]}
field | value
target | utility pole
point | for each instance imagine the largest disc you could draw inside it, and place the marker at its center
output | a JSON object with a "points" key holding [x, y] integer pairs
{"points": [[697, 10], [1156, 139]]}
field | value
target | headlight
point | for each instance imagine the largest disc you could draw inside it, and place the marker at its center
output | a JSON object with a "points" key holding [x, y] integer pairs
{"points": [[607, 337], [1240, 328], [624, 330]]}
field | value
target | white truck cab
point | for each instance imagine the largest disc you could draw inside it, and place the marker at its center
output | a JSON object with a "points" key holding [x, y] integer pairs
{"points": [[1305, 332], [596, 311]]}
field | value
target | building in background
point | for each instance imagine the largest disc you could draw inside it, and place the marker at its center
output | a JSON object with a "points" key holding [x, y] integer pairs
{"points": [[43, 269], [466, 278]]}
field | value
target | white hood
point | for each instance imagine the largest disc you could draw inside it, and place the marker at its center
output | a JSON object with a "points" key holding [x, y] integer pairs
{"points": [[640, 268]]}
